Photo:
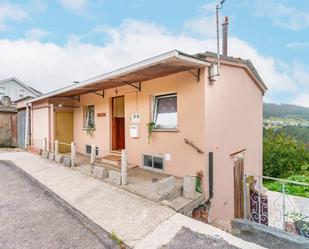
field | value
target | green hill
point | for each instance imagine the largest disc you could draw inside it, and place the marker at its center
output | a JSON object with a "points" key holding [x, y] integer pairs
{"points": [[285, 111]]}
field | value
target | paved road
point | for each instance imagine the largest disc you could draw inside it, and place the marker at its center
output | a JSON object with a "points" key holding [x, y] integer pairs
{"points": [[31, 218]]}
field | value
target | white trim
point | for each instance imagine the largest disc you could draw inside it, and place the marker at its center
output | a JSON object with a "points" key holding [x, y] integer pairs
{"points": [[125, 70]]}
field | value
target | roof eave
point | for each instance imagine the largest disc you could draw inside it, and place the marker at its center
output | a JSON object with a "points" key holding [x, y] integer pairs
{"points": [[126, 70]]}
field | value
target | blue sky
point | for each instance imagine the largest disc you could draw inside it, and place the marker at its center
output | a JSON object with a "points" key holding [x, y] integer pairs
{"points": [[49, 44]]}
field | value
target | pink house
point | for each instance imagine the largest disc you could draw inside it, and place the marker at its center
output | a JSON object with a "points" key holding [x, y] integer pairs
{"points": [[171, 115]]}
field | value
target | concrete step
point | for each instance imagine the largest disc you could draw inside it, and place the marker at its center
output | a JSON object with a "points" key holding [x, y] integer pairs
{"points": [[185, 206], [112, 159], [223, 225]]}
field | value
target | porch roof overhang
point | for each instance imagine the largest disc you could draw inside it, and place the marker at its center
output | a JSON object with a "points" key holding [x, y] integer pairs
{"points": [[159, 66]]}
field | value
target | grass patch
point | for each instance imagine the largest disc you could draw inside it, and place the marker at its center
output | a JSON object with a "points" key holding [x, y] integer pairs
{"points": [[5, 146], [290, 188], [119, 241]]}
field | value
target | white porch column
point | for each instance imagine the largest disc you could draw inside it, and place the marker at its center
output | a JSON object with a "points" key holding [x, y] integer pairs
{"points": [[92, 157], [45, 143], [73, 154], [124, 166], [27, 127], [56, 147]]}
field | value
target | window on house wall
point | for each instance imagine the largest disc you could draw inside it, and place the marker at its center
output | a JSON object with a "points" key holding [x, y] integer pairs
{"points": [[2, 91], [89, 116], [21, 93], [153, 162], [165, 111]]}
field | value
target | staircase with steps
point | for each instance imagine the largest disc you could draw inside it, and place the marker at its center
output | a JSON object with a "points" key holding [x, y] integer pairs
{"points": [[112, 159], [172, 199]]}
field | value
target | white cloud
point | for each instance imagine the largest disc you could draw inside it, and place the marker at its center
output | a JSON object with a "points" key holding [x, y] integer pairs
{"points": [[282, 14], [298, 45], [75, 5], [302, 100], [11, 12], [205, 23], [35, 34], [47, 66]]}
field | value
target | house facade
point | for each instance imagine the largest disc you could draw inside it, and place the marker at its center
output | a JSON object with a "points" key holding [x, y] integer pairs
{"points": [[169, 115], [15, 89]]}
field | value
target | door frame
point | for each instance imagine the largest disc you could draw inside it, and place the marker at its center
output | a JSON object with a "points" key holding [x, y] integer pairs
{"points": [[113, 128], [238, 171]]}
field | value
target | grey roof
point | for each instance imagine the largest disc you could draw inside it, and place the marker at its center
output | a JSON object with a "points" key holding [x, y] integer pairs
{"points": [[248, 63]]}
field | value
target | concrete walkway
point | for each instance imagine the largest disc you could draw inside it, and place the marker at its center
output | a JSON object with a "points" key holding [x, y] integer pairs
{"points": [[140, 223]]}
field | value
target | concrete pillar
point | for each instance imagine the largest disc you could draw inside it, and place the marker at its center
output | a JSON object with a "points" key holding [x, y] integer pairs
{"points": [[56, 147], [45, 144], [124, 166], [92, 156], [73, 154]]}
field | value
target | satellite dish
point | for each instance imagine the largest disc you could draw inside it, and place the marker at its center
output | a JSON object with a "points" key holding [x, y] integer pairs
{"points": [[6, 101]]}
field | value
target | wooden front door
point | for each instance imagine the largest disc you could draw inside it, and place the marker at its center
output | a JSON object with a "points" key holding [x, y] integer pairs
{"points": [[118, 123], [64, 130], [238, 188]]}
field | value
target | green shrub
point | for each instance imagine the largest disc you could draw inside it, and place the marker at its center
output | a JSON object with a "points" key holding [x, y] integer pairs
{"points": [[290, 188], [283, 156]]}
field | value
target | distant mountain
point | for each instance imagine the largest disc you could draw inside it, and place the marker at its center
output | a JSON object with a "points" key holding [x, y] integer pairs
{"points": [[285, 111]]}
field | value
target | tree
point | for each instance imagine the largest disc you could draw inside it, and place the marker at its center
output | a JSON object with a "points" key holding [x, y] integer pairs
{"points": [[283, 156]]}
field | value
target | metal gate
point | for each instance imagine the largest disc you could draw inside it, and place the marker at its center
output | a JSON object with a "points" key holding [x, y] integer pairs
{"points": [[276, 206]]}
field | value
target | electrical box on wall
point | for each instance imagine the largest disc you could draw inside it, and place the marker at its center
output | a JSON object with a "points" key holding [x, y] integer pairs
{"points": [[134, 131], [135, 118]]}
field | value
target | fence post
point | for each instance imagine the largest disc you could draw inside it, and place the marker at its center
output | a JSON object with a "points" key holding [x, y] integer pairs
{"points": [[56, 147], [259, 200], [93, 154], [45, 143], [124, 165], [73, 154], [283, 206]]}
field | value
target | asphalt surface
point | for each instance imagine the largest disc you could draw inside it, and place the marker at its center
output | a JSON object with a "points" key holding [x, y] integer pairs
{"points": [[31, 217], [187, 239]]}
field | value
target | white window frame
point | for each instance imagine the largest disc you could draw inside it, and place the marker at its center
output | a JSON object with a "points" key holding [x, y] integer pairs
{"points": [[86, 117], [154, 116], [23, 93], [152, 167], [5, 91]]}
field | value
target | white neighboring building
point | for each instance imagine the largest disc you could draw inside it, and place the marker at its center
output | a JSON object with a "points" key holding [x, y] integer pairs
{"points": [[16, 89]]}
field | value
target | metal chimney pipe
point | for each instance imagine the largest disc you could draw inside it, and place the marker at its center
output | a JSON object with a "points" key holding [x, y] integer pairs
{"points": [[224, 35]]}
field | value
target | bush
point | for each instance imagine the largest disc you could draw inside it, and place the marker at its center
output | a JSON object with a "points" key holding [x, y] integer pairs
{"points": [[283, 156], [290, 188]]}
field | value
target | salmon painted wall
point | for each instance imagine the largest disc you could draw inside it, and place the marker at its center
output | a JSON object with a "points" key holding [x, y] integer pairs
{"points": [[190, 100], [234, 116]]}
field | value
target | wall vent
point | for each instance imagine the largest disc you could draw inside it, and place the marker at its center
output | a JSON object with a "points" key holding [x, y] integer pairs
{"points": [[88, 150]]}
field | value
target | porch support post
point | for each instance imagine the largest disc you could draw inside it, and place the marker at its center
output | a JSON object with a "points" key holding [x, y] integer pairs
{"points": [[27, 142], [73, 154], [124, 166], [56, 147], [45, 143], [92, 157]]}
